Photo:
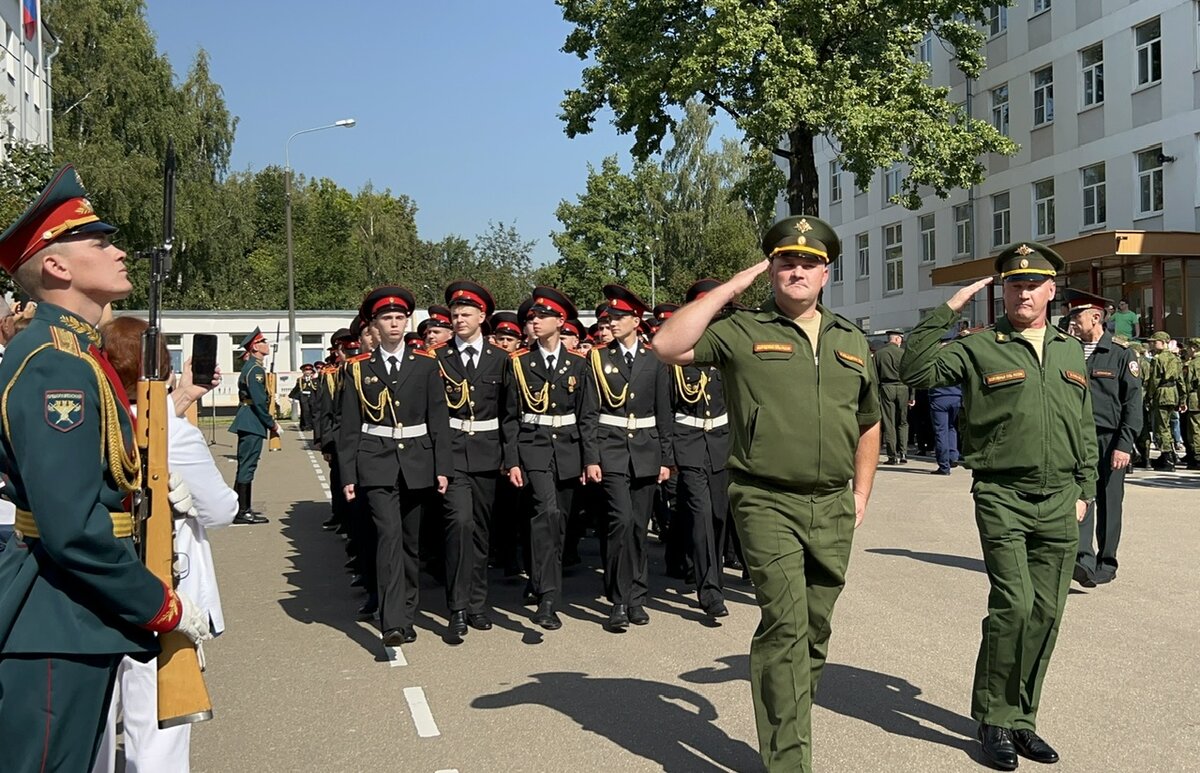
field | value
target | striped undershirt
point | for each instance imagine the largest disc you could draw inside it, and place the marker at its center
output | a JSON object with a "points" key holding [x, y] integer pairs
{"points": [[1088, 349]]}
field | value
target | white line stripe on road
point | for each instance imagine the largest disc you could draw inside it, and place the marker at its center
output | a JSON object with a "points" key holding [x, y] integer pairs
{"points": [[422, 716], [448, 770], [395, 657]]}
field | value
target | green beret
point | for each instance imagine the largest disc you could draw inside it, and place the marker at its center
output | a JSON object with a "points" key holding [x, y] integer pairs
{"points": [[1029, 261], [1161, 335], [805, 235]]}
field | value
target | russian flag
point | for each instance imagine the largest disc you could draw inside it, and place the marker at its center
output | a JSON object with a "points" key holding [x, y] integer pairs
{"points": [[30, 14]]}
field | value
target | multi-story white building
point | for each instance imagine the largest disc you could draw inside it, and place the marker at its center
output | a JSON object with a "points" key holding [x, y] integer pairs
{"points": [[1103, 97], [25, 75]]}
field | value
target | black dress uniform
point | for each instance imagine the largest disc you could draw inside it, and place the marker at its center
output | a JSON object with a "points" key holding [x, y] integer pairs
{"points": [[555, 419], [302, 392], [473, 372], [393, 444], [634, 442]]}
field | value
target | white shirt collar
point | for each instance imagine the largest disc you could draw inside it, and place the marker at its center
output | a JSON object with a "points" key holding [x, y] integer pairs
{"points": [[461, 344], [556, 354], [625, 351], [384, 353]]}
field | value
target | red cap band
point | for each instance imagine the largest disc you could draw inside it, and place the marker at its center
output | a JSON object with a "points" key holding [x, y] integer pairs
{"points": [[466, 296], [620, 304], [551, 305], [508, 327], [391, 300]]}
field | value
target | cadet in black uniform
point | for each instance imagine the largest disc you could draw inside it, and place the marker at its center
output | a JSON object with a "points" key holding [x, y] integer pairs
{"points": [[302, 393], [394, 449], [436, 329], [634, 441], [555, 440]]}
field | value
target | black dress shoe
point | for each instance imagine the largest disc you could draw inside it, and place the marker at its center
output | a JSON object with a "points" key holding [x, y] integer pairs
{"points": [[717, 609], [1104, 574], [638, 615], [394, 637], [546, 617], [358, 581], [479, 621], [410, 635], [249, 518], [904, 460], [939, 472], [330, 524], [998, 747], [1032, 747], [457, 627], [732, 562], [890, 460], [369, 607], [618, 619], [529, 597], [1083, 577]]}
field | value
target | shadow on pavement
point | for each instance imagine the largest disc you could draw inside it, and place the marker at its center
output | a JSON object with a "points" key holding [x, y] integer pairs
{"points": [[941, 559], [890, 703], [669, 725], [1163, 480]]}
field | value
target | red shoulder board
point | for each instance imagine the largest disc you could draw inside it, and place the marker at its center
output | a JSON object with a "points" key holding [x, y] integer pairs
{"points": [[518, 353], [437, 346], [577, 353], [359, 357], [425, 353]]}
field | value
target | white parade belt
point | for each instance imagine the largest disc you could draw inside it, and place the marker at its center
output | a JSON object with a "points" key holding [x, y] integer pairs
{"points": [[543, 420], [707, 424], [475, 425], [627, 422], [395, 433]]}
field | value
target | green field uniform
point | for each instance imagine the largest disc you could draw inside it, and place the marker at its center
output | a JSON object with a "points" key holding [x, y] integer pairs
{"points": [[791, 502], [894, 397], [1029, 437], [1164, 383], [1191, 399]]}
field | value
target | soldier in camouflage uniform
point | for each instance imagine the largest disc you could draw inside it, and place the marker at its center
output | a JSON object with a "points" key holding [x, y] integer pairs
{"points": [[1163, 393]]}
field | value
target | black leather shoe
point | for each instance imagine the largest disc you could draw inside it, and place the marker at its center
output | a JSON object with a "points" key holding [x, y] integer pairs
{"points": [[998, 747], [358, 581], [479, 621], [717, 609], [529, 597], [410, 635], [1083, 577], [618, 620], [638, 616], [890, 460], [904, 460], [939, 472], [394, 637], [1104, 574], [546, 617], [330, 524], [369, 607], [457, 627], [249, 518], [1032, 747]]}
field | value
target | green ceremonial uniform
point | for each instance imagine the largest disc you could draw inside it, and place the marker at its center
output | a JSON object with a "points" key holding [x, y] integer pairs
{"points": [[253, 420], [1029, 438], [791, 502], [894, 397], [1164, 383]]}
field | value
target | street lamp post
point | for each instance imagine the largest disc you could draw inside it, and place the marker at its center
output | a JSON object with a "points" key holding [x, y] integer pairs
{"points": [[345, 123]]}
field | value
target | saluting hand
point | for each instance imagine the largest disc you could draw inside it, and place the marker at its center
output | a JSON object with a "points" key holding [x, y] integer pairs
{"points": [[742, 280], [960, 298]]}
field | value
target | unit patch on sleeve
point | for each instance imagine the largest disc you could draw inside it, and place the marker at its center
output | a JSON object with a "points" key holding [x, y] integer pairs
{"points": [[64, 409]]}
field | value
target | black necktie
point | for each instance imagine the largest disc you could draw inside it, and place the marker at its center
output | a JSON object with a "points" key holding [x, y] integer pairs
{"points": [[550, 363], [470, 352], [629, 360], [393, 365]]}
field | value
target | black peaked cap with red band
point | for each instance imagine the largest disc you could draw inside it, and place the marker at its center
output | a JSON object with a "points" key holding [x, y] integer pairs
{"points": [[439, 316], [414, 340], [622, 301], [357, 326], [470, 293], [602, 311], [663, 311], [387, 298], [572, 328], [700, 288], [1078, 300], [61, 210], [547, 300], [506, 323]]}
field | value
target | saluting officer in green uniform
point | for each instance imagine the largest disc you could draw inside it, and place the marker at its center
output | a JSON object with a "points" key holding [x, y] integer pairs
{"points": [[1029, 438], [74, 597], [1163, 392], [253, 422], [795, 505], [894, 398]]}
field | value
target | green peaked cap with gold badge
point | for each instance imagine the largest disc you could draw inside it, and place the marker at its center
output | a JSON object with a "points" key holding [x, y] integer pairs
{"points": [[802, 235], [1025, 261]]}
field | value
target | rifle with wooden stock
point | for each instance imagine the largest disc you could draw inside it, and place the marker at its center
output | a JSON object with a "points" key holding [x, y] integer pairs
{"points": [[182, 695]]}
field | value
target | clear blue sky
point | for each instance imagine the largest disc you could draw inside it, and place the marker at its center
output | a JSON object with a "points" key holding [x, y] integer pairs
{"points": [[456, 100]]}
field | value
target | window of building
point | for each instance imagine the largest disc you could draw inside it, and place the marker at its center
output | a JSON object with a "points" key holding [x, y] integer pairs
{"points": [[1043, 207], [312, 348], [835, 181], [1095, 206], [997, 19], [238, 360], [928, 240], [891, 184], [1001, 220], [1148, 39], [964, 240], [925, 49], [863, 241], [893, 258], [1039, 6], [1092, 61], [1000, 109], [175, 351], [1150, 181], [835, 270], [10, 60], [1043, 96]]}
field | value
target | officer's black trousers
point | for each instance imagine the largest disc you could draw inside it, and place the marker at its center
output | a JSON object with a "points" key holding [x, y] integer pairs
{"points": [[702, 510], [630, 501], [510, 526], [396, 512], [551, 500], [1103, 519], [467, 506]]}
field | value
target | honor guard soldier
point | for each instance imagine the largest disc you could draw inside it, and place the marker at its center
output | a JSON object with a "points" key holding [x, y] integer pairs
{"points": [[394, 449], [253, 422], [438, 329], [1163, 392], [634, 442], [1030, 441], [554, 446], [74, 596], [1114, 379], [701, 443], [795, 505], [325, 424], [894, 398], [473, 372], [302, 393]]}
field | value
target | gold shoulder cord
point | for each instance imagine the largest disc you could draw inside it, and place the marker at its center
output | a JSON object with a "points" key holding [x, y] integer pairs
{"points": [[613, 400], [537, 403], [462, 386], [689, 393], [371, 411]]}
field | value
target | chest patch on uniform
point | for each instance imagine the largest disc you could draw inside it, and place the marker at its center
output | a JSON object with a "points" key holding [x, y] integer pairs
{"points": [[64, 409], [1074, 377], [1134, 368], [1102, 374], [848, 357], [992, 379], [768, 346]]}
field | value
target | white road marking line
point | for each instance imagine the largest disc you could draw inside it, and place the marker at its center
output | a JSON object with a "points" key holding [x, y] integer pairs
{"points": [[421, 714], [395, 657], [448, 770]]}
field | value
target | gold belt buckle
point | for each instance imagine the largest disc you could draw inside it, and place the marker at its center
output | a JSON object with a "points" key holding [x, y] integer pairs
{"points": [[556, 421], [631, 424], [708, 424]]}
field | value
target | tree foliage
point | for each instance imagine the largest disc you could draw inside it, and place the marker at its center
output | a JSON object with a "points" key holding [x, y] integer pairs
{"points": [[791, 69]]}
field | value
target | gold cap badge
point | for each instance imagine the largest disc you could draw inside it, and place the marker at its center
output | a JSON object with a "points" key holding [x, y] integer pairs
{"points": [[803, 226], [1024, 249]]}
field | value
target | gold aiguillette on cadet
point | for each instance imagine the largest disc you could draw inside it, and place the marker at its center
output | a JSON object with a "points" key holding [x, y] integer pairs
{"points": [[182, 695]]}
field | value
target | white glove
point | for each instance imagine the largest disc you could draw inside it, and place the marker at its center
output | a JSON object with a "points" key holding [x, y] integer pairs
{"points": [[180, 497], [193, 623]]}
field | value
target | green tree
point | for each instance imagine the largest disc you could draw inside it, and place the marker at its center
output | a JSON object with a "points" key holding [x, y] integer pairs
{"points": [[385, 238], [504, 265], [792, 69]]}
